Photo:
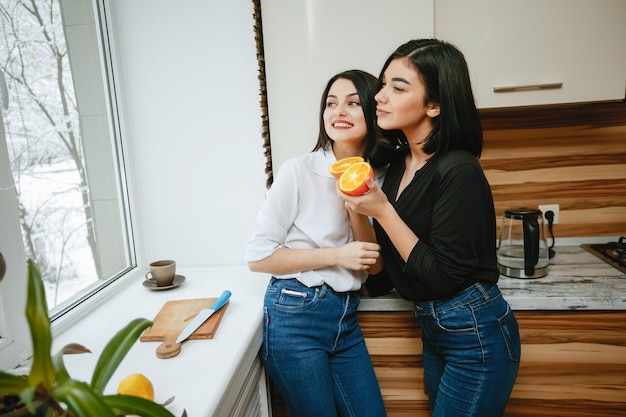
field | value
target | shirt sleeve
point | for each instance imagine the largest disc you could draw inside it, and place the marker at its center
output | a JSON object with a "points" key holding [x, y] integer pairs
{"points": [[378, 284], [276, 215]]}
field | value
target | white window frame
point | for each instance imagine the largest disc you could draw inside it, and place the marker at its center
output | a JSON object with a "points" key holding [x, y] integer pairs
{"points": [[82, 21], [15, 346]]}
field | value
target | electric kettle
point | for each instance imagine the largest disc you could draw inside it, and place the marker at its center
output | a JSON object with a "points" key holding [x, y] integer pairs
{"points": [[522, 247]]}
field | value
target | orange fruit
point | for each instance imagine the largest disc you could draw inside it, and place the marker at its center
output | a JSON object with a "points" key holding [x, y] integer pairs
{"points": [[352, 181], [337, 168], [137, 385]]}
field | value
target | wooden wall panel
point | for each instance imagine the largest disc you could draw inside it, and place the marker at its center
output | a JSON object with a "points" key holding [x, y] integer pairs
{"points": [[572, 156], [573, 364]]}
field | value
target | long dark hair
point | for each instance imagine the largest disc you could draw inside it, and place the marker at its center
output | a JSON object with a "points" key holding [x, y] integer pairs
{"points": [[377, 148], [443, 70]]}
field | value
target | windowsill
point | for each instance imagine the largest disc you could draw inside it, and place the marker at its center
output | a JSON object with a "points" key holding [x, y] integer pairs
{"points": [[199, 376]]}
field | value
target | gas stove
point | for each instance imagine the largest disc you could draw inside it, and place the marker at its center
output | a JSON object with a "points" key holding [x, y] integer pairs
{"points": [[614, 253]]}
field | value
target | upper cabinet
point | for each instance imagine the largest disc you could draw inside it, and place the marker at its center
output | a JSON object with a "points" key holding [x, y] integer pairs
{"points": [[538, 52], [307, 42]]}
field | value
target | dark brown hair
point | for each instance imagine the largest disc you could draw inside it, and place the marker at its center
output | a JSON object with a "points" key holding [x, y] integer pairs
{"points": [[377, 148], [443, 70]]}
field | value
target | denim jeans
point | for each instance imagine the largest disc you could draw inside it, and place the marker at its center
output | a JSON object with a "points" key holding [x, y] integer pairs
{"points": [[315, 353], [471, 348]]}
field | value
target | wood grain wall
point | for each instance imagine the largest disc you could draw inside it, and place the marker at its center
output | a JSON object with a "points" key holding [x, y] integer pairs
{"points": [[574, 156], [573, 364]]}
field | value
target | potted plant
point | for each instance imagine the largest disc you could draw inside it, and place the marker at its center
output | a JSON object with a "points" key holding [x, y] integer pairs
{"points": [[48, 385]]}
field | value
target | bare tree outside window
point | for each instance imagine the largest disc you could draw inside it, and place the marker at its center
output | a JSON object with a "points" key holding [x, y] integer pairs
{"points": [[47, 151]]}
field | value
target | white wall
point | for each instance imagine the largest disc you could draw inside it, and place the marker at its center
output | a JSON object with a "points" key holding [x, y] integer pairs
{"points": [[319, 39], [192, 126]]}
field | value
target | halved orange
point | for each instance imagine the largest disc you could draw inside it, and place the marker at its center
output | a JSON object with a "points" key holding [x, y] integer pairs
{"points": [[337, 168], [352, 181]]}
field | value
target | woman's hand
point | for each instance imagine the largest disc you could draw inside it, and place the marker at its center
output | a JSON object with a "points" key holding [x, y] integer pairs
{"points": [[357, 256], [373, 203]]}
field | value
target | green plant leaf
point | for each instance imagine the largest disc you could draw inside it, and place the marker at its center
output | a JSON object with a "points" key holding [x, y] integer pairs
{"points": [[81, 400], [128, 404], [60, 372], [73, 349], [28, 397], [115, 351], [12, 384], [41, 371]]}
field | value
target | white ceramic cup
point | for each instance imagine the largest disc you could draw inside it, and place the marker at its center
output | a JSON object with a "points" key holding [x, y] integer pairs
{"points": [[162, 272]]}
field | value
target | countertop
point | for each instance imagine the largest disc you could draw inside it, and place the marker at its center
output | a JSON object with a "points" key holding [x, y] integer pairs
{"points": [[576, 280], [201, 376]]}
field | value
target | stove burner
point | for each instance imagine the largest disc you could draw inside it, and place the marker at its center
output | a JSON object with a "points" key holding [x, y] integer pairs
{"points": [[612, 252]]}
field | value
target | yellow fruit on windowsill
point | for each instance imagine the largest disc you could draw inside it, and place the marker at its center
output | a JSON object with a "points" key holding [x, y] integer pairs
{"points": [[136, 385]]}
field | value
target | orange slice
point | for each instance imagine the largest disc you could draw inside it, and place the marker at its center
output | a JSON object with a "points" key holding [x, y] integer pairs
{"points": [[337, 168], [352, 181]]}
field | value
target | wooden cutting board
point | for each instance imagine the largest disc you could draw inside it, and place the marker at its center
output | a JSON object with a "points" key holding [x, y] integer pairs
{"points": [[172, 319]]}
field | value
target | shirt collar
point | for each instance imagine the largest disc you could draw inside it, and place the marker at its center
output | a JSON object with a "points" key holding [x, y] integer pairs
{"points": [[327, 157]]}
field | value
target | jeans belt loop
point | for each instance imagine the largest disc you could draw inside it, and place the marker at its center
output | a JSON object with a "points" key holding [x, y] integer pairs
{"points": [[322, 289], [483, 290]]}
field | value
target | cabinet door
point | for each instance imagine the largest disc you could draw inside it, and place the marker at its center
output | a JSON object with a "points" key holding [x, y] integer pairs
{"points": [[307, 42], [246, 395], [538, 52]]}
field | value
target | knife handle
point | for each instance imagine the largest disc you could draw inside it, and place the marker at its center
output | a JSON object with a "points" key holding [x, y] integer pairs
{"points": [[219, 303]]}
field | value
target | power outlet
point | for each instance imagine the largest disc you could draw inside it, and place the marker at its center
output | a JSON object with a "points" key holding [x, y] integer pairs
{"points": [[550, 207]]}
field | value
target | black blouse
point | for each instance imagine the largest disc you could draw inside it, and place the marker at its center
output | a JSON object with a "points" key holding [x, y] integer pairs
{"points": [[449, 206]]}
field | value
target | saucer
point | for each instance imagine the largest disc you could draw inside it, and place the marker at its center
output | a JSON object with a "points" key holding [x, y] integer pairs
{"points": [[178, 281]]}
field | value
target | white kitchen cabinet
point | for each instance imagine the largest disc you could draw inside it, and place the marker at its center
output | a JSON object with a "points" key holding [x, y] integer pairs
{"points": [[307, 42], [247, 394], [538, 52]]}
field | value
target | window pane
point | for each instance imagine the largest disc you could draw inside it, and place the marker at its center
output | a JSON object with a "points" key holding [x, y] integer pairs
{"points": [[64, 149]]}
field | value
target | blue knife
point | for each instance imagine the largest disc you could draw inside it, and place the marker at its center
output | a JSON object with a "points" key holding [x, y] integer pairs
{"points": [[203, 316]]}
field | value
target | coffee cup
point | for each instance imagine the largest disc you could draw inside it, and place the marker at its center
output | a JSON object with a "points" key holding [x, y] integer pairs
{"points": [[162, 272]]}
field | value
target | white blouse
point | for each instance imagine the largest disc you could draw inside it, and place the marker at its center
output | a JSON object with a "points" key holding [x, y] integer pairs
{"points": [[302, 211]]}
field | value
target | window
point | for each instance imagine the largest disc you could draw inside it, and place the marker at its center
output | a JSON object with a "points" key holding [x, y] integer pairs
{"points": [[62, 143]]}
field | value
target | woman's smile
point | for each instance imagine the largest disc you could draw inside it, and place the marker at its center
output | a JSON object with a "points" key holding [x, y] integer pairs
{"points": [[343, 116], [340, 124]]}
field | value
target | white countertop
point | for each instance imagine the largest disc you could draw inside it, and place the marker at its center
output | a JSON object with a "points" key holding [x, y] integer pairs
{"points": [[200, 374], [576, 280]]}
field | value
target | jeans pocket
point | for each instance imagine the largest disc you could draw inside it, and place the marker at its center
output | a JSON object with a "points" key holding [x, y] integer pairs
{"points": [[457, 320], [510, 333], [294, 298]]}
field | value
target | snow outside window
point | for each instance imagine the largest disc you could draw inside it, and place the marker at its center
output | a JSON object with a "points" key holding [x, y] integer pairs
{"points": [[63, 198]]}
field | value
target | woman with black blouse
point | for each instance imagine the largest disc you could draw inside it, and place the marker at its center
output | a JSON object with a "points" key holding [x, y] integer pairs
{"points": [[435, 221]]}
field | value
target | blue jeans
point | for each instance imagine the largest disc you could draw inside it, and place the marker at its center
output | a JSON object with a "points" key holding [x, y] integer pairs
{"points": [[471, 348], [315, 353]]}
